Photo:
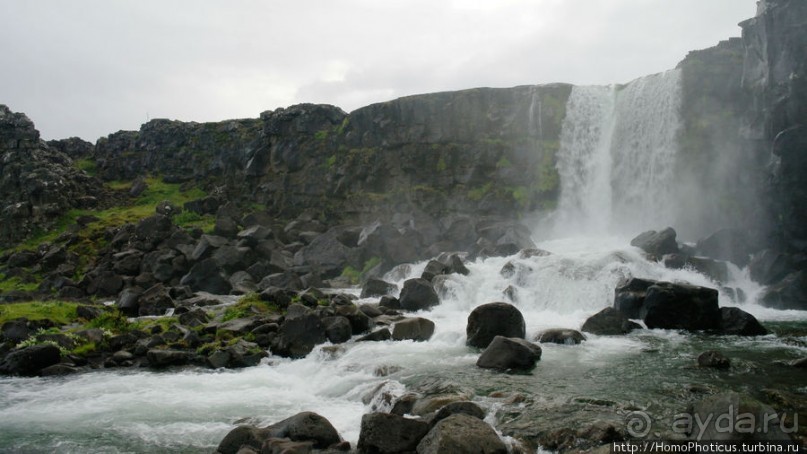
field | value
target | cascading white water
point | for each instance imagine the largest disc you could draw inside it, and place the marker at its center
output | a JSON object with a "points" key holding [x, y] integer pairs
{"points": [[617, 156]]}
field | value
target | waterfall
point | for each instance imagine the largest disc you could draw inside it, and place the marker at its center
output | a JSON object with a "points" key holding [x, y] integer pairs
{"points": [[617, 156]]}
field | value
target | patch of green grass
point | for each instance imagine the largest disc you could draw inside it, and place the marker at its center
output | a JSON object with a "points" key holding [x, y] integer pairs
{"points": [[355, 276], [59, 312], [87, 165], [113, 321], [477, 194], [341, 128], [441, 164], [330, 162], [16, 284], [147, 324], [249, 305], [321, 135], [85, 349]]}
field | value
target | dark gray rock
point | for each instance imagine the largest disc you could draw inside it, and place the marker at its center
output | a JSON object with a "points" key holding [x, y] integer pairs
{"points": [[159, 358], [298, 335], [387, 433], [461, 433], [155, 301], [206, 276], [629, 296], [735, 321], [713, 359], [433, 268], [609, 322], [29, 361], [560, 336], [737, 410], [769, 267], [16, 330], [418, 294], [461, 407], [382, 334], [509, 354], [416, 329], [302, 427], [732, 245], [680, 306], [377, 287], [657, 243], [337, 329], [789, 293], [493, 319]]}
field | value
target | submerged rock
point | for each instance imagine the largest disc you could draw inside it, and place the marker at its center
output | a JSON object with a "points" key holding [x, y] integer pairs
{"points": [[417, 329], [713, 359], [609, 322], [505, 353], [560, 336]]}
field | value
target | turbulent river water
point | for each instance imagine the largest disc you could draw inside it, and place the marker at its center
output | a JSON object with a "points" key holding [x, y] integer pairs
{"points": [[192, 409]]}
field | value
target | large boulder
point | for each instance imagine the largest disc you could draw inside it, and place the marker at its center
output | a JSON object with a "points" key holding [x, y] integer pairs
{"points": [[418, 294], [789, 293], [736, 321], [337, 329], [657, 243], [387, 433], [29, 361], [609, 322], [461, 433], [509, 354], [299, 334], [206, 276], [416, 329], [681, 306], [377, 287], [629, 296], [302, 427], [155, 301], [494, 319]]}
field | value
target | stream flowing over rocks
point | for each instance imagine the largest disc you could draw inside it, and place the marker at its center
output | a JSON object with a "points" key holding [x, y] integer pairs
{"points": [[539, 268]]}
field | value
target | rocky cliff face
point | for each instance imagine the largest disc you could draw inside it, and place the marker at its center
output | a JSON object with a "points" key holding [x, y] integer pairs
{"points": [[775, 72], [481, 151], [37, 183]]}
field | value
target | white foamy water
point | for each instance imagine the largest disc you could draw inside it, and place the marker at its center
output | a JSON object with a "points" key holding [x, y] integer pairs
{"points": [[617, 155]]}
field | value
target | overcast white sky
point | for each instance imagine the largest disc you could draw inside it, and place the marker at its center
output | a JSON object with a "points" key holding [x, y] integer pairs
{"points": [[88, 68]]}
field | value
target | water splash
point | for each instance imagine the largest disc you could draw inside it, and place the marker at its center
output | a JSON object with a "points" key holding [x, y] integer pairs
{"points": [[617, 156]]}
